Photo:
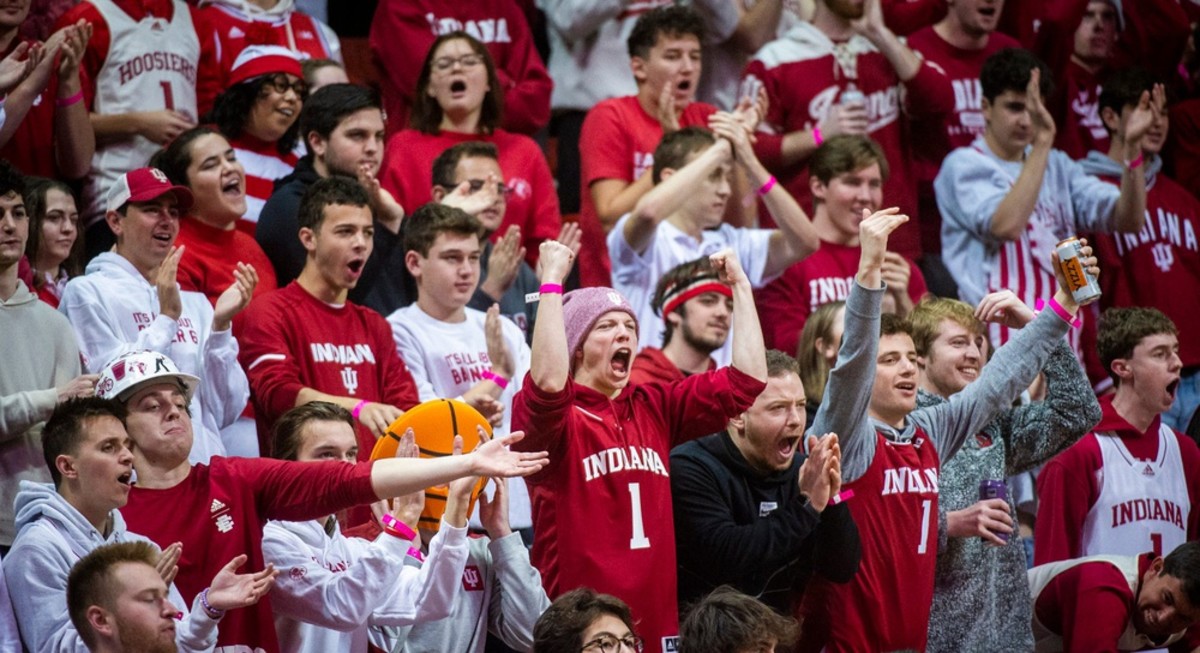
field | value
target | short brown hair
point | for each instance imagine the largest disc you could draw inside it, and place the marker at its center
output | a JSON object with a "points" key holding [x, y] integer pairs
{"points": [[845, 153], [1121, 329], [447, 162], [92, 580], [325, 192], [68, 425], [560, 628], [423, 227], [780, 364], [814, 369], [676, 148], [891, 324], [728, 621], [286, 434], [927, 318]]}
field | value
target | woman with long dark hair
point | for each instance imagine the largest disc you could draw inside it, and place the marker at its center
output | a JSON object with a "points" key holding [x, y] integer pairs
{"points": [[55, 244], [458, 99]]}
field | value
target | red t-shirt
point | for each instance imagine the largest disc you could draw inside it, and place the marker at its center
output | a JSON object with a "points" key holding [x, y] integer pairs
{"points": [[602, 508], [803, 80], [31, 147], [1068, 486], [290, 340], [825, 276], [208, 262], [652, 366], [407, 173], [886, 607], [617, 141], [218, 513], [402, 32]]}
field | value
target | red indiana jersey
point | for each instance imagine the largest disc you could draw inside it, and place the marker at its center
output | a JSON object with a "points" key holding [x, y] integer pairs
{"points": [[803, 78], [617, 141], [291, 340], [825, 276], [886, 606], [1159, 265], [602, 508]]}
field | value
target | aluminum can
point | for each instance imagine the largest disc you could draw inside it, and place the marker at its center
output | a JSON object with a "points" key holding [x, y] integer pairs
{"points": [[989, 489], [851, 95], [1083, 286]]}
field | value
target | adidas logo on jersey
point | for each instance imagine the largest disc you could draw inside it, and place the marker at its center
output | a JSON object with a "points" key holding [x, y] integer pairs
{"points": [[217, 506], [236, 33]]}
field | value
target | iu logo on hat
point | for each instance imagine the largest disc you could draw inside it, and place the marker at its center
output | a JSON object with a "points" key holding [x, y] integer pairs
{"points": [[614, 298], [159, 175]]}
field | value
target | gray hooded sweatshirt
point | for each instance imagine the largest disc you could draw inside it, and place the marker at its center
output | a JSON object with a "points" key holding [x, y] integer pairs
{"points": [[51, 537]]}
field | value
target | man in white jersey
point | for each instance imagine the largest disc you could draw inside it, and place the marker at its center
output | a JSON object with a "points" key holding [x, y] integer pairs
{"points": [[1117, 603], [140, 87], [1127, 487]]}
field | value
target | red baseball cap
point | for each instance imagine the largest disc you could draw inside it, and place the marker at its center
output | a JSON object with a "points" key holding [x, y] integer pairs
{"points": [[143, 185], [257, 60]]}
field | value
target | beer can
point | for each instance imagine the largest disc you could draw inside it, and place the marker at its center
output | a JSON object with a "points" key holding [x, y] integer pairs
{"points": [[1082, 284], [851, 95], [989, 489]]}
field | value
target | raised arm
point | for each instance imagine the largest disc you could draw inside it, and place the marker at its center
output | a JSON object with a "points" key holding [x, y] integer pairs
{"points": [[853, 376], [1011, 217], [904, 61], [749, 352], [550, 363], [1130, 212], [670, 194]]}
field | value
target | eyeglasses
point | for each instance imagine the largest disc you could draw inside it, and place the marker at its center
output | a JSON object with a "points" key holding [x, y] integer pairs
{"points": [[442, 64], [610, 644], [478, 184], [281, 85]]}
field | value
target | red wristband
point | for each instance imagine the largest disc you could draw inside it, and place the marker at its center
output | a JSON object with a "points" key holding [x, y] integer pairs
{"points": [[358, 409], [489, 375], [554, 288], [397, 528]]}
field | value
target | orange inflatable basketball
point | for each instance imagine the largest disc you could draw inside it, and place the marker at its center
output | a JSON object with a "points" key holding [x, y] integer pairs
{"points": [[434, 424]]}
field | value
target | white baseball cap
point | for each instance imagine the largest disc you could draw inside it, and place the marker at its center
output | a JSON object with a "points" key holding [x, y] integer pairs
{"points": [[129, 372]]}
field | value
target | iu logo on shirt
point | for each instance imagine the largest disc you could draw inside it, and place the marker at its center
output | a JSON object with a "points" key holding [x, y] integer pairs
{"points": [[472, 580], [350, 379]]}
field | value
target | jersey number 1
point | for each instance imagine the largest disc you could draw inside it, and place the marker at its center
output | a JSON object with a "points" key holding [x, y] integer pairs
{"points": [[926, 506], [168, 95], [639, 539]]}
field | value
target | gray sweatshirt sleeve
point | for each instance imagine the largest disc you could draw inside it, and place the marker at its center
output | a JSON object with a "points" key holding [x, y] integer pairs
{"points": [[517, 595], [848, 393], [1011, 370], [1037, 432]]}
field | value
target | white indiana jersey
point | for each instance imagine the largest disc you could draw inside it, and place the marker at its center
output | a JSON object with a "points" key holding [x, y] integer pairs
{"points": [[1047, 641], [151, 65], [1143, 505]]}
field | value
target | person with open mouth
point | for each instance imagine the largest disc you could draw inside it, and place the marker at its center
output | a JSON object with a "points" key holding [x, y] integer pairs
{"points": [[892, 451], [1130, 485], [602, 508], [459, 99], [259, 113], [981, 597]]}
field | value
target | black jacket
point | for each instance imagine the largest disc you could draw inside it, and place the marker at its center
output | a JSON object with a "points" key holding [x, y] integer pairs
{"points": [[734, 526]]}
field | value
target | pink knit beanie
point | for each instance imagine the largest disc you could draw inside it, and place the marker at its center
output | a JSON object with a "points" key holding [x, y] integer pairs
{"points": [[581, 309]]}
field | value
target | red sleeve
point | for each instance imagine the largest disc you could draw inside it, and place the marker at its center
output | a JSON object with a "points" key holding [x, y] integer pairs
{"points": [[97, 48], [783, 310], [399, 388], [1184, 143], [208, 71], [768, 145], [703, 403], [907, 16], [1190, 454], [295, 491], [1088, 605], [1154, 37], [526, 83], [545, 417], [929, 93], [1066, 489], [267, 357], [604, 152]]}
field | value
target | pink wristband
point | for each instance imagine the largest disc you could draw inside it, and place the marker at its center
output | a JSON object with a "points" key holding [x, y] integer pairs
{"points": [[553, 288], [844, 495], [415, 554], [489, 375], [397, 528], [358, 409], [1136, 163], [68, 101], [766, 188], [1075, 322], [817, 138]]}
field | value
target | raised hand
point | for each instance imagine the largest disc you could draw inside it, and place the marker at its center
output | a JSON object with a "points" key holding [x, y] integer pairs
{"points": [[407, 508], [554, 261], [1039, 115], [73, 49], [493, 329], [729, 270], [493, 512], [871, 23], [730, 127], [83, 385], [169, 301], [168, 562], [383, 203], [230, 590], [819, 471], [18, 64], [1150, 108], [667, 117], [1005, 308], [874, 231], [493, 458], [1090, 264], [162, 126], [475, 202], [504, 263], [376, 417], [236, 297], [845, 119]]}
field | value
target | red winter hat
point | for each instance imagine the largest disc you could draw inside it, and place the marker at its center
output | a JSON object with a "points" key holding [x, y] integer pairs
{"points": [[258, 60], [143, 185]]}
